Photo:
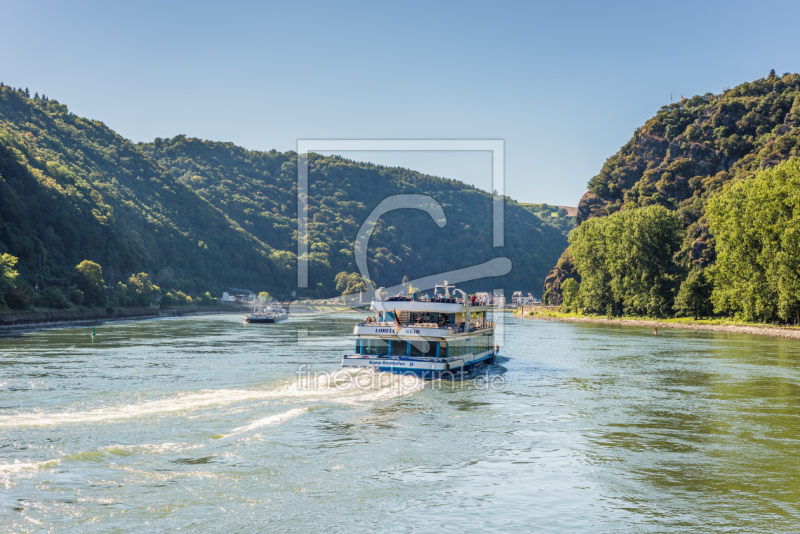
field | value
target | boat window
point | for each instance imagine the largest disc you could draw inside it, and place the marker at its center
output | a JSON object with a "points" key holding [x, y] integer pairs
{"points": [[374, 347], [422, 348], [399, 348]]}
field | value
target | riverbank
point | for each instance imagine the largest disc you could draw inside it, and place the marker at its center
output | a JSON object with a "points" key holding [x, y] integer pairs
{"points": [[36, 320], [685, 324]]}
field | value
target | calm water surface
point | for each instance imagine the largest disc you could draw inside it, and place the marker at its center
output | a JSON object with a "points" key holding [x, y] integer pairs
{"points": [[203, 423]]}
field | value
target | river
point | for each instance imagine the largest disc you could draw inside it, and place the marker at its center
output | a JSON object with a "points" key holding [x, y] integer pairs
{"points": [[205, 424]]}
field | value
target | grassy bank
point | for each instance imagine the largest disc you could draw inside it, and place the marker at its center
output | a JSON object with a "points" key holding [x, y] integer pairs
{"points": [[713, 324]]}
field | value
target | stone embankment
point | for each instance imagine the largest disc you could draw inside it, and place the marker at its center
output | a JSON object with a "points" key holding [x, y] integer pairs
{"points": [[29, 320]]}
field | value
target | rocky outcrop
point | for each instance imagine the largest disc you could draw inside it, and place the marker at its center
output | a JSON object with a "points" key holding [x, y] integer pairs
{"points": [[561, 272]]}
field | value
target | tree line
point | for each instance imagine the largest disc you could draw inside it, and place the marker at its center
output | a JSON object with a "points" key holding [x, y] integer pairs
{"points": [[628, 262], [86, 288]]}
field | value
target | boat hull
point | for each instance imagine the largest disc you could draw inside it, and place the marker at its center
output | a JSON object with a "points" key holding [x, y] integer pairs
{"points": [[427, 369], [264, 320]]}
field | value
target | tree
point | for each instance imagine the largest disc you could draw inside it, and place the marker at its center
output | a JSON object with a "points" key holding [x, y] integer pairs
{"points": [[756, 224], [175, 298], [207, 300], [263, 297], [641, 246], [52, 298], [17, 299], [76, 296], [625, 260], [88, 278], [350, 283], [588, 248], [795, 111], [141, 290], [694, 296], [569, 292], [8, 276]]}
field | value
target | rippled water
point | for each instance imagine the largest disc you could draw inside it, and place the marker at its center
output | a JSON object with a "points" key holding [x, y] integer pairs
{"points": [[203, 423]]}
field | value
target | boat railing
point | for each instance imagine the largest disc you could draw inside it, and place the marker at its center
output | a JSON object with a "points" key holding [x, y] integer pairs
{"points": [[476, 302], [456, 329], [420, 299], [409, 325]]}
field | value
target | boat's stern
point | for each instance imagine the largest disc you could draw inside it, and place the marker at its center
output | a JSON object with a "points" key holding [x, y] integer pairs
{"points": [[424, 368]]}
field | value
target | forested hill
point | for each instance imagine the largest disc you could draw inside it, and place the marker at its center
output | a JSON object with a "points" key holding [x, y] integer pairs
{"points": [[198, 215], [684, 155], [258, 191], [72, 189]]}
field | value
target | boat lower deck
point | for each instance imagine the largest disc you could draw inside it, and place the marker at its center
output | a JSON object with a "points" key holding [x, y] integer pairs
{"points": [[427, 368]]}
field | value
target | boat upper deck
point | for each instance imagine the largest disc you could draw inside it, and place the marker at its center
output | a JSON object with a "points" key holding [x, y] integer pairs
{"points": [[444, 305], [438, 316], [386, 329]]}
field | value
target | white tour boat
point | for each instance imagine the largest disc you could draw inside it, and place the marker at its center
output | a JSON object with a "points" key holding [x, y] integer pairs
{"points": [[444, 335]]}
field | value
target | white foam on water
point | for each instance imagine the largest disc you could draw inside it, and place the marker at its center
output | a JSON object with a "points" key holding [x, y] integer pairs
{"points": [[183, 402], [366, 387], [17, 466], [267, 421], [340, 387], [160, 448]]}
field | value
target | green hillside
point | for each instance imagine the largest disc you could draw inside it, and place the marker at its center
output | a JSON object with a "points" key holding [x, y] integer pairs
{"points": [[553, 215], [686, 155], [257, 190], [201, 216]]}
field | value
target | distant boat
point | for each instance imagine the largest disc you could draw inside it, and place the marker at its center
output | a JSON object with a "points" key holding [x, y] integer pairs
{"points": [[266, 316]]}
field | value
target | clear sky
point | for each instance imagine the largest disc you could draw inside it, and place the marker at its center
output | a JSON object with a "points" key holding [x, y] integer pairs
{"points": [[563, 83]]}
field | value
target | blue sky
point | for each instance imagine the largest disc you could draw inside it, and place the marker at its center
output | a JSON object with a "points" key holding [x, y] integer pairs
{"points": [[564, 84]]}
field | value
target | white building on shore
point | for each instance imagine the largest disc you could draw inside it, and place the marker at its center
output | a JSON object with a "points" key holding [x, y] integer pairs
{"points": [[518, 299]]}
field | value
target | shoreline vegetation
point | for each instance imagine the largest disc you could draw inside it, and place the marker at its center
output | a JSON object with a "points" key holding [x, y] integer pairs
{"points": [[685, 323]]}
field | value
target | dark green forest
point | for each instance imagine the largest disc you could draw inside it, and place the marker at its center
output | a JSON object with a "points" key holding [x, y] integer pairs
{"points": [[689, 159], [199, 216]]}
